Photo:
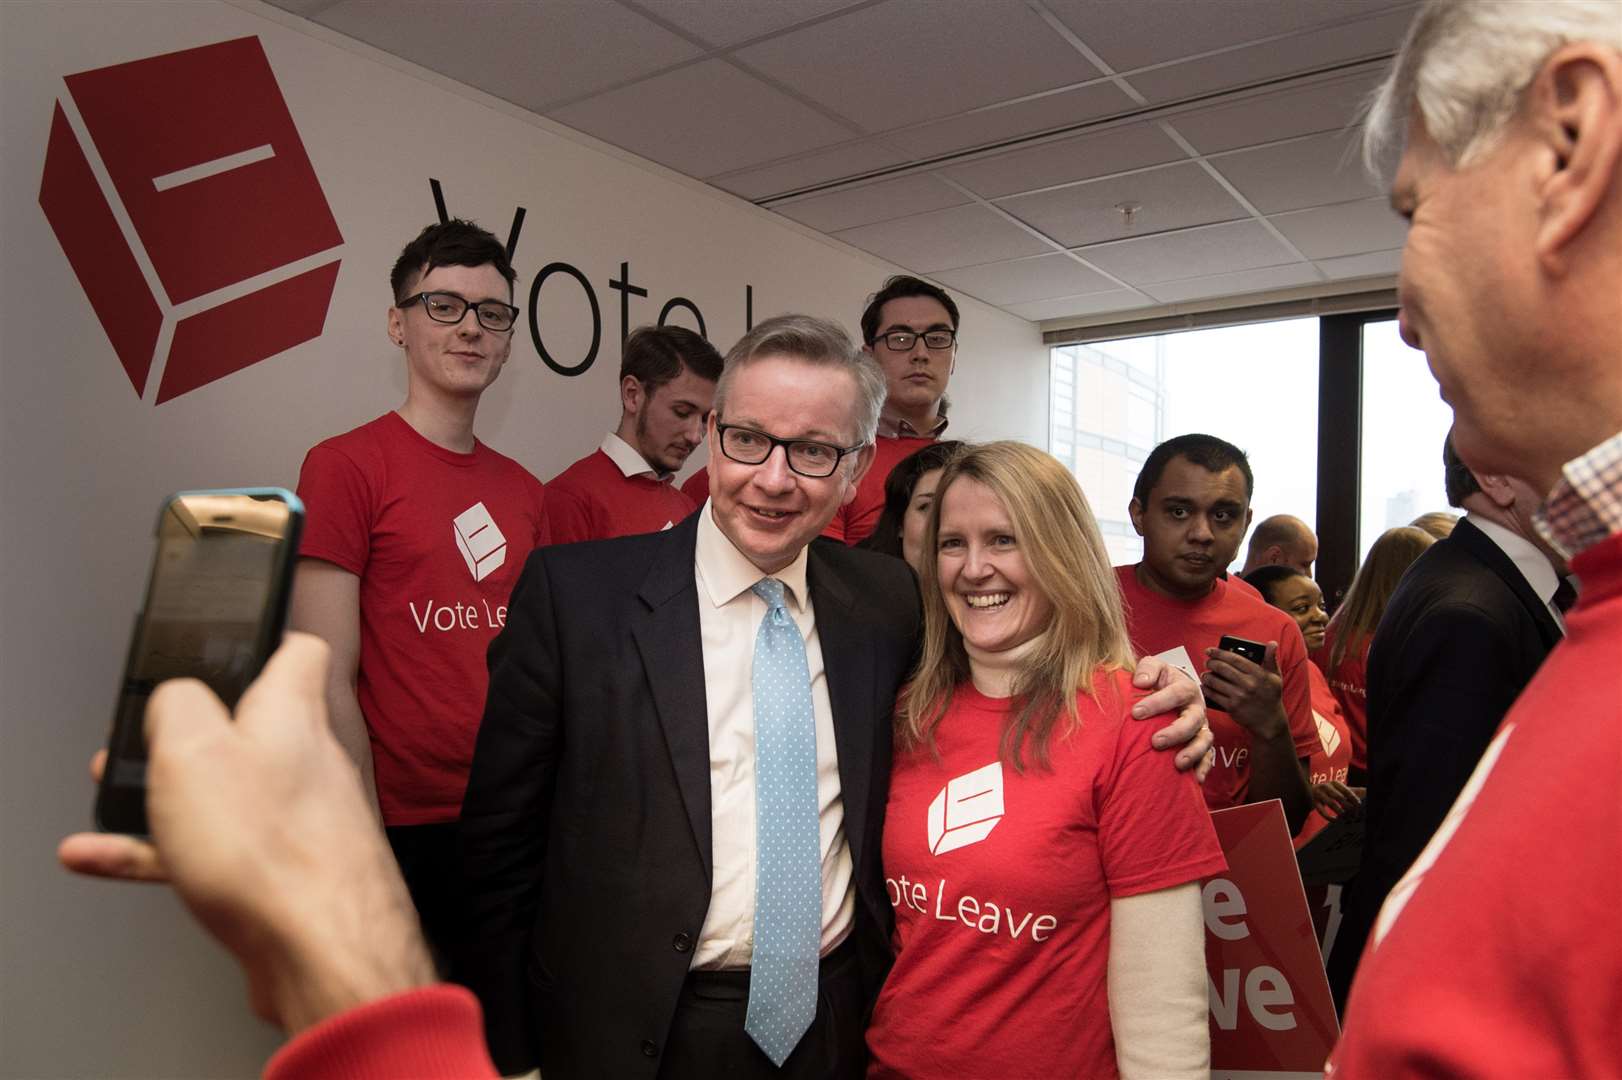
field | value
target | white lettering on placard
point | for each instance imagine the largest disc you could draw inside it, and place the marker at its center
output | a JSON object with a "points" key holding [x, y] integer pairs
{"points": [[1222, 899], [1265, 989]]}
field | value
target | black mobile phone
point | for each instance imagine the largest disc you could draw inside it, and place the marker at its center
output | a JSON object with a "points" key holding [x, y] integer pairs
{"points": [[1253, 651], [216, 603]]}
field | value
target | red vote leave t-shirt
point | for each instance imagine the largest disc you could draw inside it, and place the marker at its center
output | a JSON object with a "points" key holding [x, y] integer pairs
{"points": [[1002, 881], [1157, 623]]}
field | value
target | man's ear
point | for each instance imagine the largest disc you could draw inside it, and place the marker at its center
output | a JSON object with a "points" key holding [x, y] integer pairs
{"points": [[1249, 514], [1498, 489], [864, 462], [1575, 104], [1134, 510], [396, 325], [631, 396]]}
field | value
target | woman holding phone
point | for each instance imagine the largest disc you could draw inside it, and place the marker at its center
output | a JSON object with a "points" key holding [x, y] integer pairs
{"points": [[1042, 859]]}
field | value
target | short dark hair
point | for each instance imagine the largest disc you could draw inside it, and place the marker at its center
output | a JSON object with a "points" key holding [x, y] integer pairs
{"points": [[898, 488], [657, 354], [1267, 578], [450, 243], [1459, 482], [899, 287], [1207, 451]]}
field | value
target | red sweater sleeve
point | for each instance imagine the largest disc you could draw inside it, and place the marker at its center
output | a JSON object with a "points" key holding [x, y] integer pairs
{"points": [[435, 1033]]}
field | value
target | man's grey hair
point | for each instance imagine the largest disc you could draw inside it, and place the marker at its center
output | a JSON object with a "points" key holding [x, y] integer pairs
{"points": [[1465, 64], [813, 341]]}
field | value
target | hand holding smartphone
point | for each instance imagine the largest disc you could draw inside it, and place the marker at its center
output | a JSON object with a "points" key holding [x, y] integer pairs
{"points": [[216, 604]]}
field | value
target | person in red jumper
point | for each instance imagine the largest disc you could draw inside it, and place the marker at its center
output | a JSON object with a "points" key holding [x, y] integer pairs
{"points": [[667, 386], [909, 493], [910, 327], [1499, 953], [1299, 597], [262, 826], [1043, 863], [1191, 505], [1344, 655], [414, 536]]}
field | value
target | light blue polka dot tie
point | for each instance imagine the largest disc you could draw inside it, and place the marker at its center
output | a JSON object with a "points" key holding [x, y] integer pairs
{"points": [[788, 873]]}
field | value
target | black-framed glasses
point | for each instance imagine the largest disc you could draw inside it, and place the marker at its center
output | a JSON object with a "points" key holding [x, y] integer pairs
{"points": [[904, 340], [808, 457], [447, 307]]}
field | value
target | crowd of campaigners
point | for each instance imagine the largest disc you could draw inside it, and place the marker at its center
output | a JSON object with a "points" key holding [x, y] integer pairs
{"points": [[855, 756]]}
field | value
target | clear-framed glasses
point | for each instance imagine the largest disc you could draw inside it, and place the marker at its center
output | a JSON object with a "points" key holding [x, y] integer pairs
{"points": [[808, 457], [447, 307], [903, 340]]}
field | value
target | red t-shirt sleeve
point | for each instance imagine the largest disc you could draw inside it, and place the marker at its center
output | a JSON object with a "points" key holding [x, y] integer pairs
{"points": [[697, 487], [435, 1033], [1153, 828], [1292, 666], [567, 517], [338, 509]]}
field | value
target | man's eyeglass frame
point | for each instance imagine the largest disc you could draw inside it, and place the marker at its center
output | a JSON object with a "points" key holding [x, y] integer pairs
{"points": [[913, 336], [475, 306], [773, 442]]}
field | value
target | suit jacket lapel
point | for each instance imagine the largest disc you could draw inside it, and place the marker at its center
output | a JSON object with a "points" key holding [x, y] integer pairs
{"points": [[670, 641], [848, 665], [1482, 547]]}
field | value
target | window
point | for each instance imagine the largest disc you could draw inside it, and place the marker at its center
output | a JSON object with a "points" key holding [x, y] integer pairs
{"points": [[1254, 385], [1404, 422]]}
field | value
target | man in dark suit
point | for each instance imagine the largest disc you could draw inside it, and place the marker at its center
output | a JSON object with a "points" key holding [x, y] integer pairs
{"points": [[633, 910], [1463, 634]]}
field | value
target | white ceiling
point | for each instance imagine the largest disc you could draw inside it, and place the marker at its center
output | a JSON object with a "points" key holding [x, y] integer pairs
{"points": [[987, 144]]}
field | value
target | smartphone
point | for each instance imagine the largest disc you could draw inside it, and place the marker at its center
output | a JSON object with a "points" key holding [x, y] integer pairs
{"points": [[1253, 651], [216, 603]]}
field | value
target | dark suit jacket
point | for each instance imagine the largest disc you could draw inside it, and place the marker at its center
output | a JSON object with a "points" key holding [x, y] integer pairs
{"points": [[1462, 636], [586, 825]]}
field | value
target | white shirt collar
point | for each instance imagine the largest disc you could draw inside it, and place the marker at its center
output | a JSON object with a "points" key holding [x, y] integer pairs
{"points": [[630, 462], [1532, 563], [724, 572]]}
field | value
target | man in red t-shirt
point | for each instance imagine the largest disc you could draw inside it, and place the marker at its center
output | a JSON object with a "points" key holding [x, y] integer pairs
{"points": [[1191, 505], [415, 534], [667, 386], [1498, 953], [910, 327]]}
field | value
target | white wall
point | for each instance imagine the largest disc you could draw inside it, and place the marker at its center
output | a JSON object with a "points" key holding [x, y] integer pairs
{"points": [[106, 980]]}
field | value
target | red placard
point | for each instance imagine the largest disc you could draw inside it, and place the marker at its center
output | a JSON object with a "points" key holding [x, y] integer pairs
{"points": [[1271, 1011]]}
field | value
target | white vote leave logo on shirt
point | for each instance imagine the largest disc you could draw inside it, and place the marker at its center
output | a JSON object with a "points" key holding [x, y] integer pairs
{"points": [[1328, 734], [966, 809], [483, 547]]}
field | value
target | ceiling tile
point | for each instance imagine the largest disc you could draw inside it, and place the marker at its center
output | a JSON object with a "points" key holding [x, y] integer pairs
{"points": [[1019, 280], [529, 54], [1373, 264], [702, 119], [1324, 106], [727, 22], [1237, 284], [1314, 171], [907, 61], [1091, 304], [1372, 37], [1344, 229], [945, 239], [1079, 158], [1173, 197], [844, 209], [804, 170], [1000, 122], [1237, 245], [1130, 33]]}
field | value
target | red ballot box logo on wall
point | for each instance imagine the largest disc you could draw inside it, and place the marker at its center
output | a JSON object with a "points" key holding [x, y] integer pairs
{"points": [[1271, 1011], [184, 200]]}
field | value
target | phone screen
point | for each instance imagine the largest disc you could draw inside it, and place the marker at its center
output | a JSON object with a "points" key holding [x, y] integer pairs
{"points": [[214, 610]]}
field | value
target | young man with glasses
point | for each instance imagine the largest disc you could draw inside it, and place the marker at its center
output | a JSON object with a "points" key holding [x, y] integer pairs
{"points": [[416, 532], [667, 386], [910, 328]]}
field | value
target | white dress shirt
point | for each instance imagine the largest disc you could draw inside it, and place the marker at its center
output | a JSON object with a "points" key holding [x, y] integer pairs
{"points": [[1533, 564], [629, 459], [729, 616]]}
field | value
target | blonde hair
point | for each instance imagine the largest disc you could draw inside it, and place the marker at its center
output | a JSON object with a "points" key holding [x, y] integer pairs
{"points": [[1371, 590], [1058, 539]]}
